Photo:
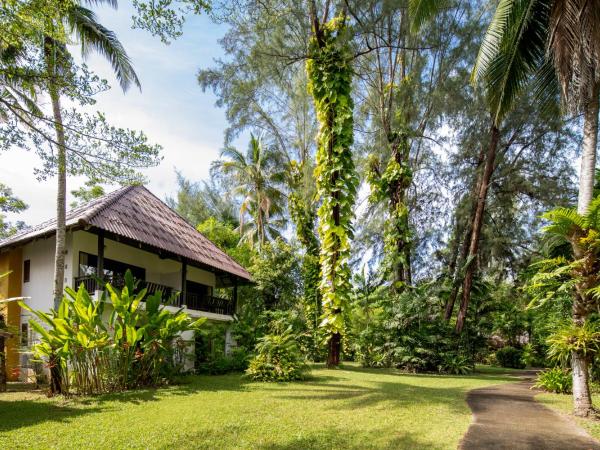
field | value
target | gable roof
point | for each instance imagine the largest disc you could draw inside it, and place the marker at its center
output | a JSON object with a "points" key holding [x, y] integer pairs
{"points": [[133, 212]]}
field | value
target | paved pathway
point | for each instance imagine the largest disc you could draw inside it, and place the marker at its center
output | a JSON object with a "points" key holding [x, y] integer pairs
{"points": [[507, 417]]}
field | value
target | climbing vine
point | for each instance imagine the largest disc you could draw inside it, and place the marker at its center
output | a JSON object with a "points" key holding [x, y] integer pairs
{"points": [[330, 83], [391, 184], [303, 212]]}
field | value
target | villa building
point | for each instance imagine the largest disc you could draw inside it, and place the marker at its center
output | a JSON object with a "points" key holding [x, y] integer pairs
{"points": [[129, 228]]}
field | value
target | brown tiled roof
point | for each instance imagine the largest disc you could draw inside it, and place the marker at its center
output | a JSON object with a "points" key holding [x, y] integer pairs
{"points": [[133, 212]]}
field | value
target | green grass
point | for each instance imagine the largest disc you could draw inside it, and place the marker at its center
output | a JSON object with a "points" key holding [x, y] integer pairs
{"points": [[564, 404], [345, 408]]}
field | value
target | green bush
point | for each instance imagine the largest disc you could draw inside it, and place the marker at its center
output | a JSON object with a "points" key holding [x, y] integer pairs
{"points": [[455, 364], [236, 361], [510, 357], [278, 358], [533, 356], [555, 380]]}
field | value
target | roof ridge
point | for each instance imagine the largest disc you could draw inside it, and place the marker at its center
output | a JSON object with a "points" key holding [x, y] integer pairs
{"points": [[107, 201], [173, 211]]}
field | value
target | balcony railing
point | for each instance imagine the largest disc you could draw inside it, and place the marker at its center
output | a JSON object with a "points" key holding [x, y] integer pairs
{"points": [[209, 303], [198, 302]]}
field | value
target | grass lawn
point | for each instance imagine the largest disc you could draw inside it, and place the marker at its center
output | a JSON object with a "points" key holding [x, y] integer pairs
{"points": [[564, 404], [346, 408]]}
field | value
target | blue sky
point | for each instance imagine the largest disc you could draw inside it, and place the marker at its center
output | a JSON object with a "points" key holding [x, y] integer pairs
{"points": [[171, 109]]}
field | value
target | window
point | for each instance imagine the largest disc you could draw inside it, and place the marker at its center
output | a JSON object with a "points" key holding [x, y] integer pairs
{"points": [[26, 270], [24, 335]]}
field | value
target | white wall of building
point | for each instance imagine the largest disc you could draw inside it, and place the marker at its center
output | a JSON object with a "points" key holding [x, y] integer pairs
{"points": [[40, 253], [158, 270]]}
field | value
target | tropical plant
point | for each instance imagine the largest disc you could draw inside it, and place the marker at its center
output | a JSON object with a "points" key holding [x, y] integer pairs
{"points": [[574, 274], [456, 364], [256, 177], [136, 347], [278, 358], [556, 380], [570, 338]]}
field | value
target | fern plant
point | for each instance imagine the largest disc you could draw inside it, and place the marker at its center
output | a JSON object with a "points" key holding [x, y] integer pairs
{"points": [[576, 274]]}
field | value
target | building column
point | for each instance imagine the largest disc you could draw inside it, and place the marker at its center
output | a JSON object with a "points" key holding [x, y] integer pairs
{"points": [[183, 295], [235, 296], [100, 263]]}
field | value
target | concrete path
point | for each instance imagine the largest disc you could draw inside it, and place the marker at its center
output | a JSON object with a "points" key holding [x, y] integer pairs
{"points": [[507, 417]]}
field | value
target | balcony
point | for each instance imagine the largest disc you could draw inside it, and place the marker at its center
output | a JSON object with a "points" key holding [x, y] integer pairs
{"points": [[209, 303], [195, 301]]}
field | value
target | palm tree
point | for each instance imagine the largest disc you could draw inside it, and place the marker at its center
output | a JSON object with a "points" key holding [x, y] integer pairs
{"points": [[81, 23], [558, 41], [257, 177]]}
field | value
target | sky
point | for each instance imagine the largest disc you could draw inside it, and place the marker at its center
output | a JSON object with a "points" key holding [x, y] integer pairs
{"points": [[171, 109]]}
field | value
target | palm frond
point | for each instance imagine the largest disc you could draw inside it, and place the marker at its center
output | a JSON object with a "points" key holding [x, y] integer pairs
{"points": [[512, 51], [422, 11], [94, 36]]}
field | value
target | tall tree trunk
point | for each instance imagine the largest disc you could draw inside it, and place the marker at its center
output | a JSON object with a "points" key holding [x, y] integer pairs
{"points": [[466, 239], [476, 227], [582, 400], [335, 349], [50, 52]]}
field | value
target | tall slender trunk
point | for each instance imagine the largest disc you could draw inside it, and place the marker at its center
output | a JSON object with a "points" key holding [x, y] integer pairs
{"points": [[52, 68], [50, 51], [582, 400], [466, 240], [476, 227]]}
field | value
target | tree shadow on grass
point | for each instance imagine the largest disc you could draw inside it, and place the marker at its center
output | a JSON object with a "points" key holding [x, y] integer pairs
{"points": [[36, 408], [24, 413], [395, 394], [498, 375], [334, 438]]}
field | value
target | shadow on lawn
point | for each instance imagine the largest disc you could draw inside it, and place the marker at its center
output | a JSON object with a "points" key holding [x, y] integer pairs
{"points": [[19, 413], [391, 390], [349, 439], [24, 413]]}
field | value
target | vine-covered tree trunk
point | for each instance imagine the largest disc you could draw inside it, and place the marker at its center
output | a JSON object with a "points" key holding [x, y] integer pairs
{"points": [[582, 401], [477, 224], [330, 84]]}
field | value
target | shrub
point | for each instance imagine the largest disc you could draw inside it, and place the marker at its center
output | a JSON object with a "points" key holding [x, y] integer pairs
{"points": [[555, 380], [236, 361], [533, 356], [455, 364], [510, 357], [277, 358]]}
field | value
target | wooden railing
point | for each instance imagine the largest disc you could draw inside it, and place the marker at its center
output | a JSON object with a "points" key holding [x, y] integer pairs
{"points": [[90, 282], [198, 302], [209, 303]]}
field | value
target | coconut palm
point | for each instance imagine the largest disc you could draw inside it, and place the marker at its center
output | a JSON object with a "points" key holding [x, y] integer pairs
{"points": [[80, 23], [257, 177], [555, 41]]}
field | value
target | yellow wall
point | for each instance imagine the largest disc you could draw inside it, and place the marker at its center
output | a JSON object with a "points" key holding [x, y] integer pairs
{"points": [[10, 286]]}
